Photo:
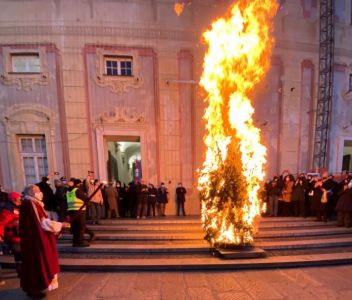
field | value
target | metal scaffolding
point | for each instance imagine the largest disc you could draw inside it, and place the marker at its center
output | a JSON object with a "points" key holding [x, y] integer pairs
{"points": [[325, 84]]}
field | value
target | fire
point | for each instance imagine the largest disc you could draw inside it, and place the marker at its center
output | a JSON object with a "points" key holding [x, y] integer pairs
{"points": [[237, 58], [178, 7]]}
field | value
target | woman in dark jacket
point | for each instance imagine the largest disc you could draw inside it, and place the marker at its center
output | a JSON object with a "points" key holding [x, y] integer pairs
{"points": [[162, 199], [319, 205], [298, 196], [152, 198], [344, 206]]}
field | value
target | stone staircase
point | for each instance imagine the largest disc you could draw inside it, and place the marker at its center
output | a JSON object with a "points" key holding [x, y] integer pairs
{"points": [[177, 244]]}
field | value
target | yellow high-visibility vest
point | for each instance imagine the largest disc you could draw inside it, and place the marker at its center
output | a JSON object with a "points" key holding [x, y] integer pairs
{"points": [[73, 203]]}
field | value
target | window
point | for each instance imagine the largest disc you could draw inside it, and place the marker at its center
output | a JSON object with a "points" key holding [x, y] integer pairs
{"points": [[34, 158], [25, 63], [350, 83], [118, 65], [340, 11]]}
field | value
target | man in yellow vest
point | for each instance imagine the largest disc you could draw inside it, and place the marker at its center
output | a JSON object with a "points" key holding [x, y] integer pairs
{"points": [[76, 198]]}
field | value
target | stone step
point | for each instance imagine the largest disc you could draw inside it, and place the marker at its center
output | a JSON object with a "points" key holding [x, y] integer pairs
{"points": [[297, 232], [305, 244], [194, 263], [196, 248], [266, 226], [294, 225], [198, 235], [191, 220], [143, 228], [153, 221], [146, 236], [126, 247]]}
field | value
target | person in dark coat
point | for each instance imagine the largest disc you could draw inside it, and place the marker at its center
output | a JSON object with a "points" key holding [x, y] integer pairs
{"points": [[298, 196], [274, 192], [181, 199], [162, 199], [3, 198], [120, 198], [133, 198], [319, 201], [142, 200], [76, 198], [60, 195], [331, 187], [344, 205], [123, 200], [49, 200], [152, 199]]}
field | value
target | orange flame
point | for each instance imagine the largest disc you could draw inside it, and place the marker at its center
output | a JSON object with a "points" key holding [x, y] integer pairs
{"points": [[237, 58], [178, 7]]}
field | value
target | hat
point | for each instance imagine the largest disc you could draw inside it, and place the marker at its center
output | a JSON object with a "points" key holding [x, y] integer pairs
{"points": [[77, 181], [14, 195]]}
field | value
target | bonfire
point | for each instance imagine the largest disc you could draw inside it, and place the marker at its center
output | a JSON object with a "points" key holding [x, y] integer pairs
{"points": [[239, 48]]}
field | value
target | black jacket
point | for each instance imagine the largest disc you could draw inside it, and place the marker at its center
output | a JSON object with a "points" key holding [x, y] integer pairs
{"points": [[49, 198], [181, 194]]}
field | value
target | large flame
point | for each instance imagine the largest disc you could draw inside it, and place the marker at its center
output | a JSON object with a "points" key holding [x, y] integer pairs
{"points": [[237, 58]]}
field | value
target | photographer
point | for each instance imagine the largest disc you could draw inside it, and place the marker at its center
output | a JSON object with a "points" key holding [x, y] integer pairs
{"points": [[298, 196], [274, 192]]}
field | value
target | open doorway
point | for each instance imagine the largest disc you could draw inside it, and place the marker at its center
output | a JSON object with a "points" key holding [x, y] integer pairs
{"points": [[124, 158], [347, 154]]}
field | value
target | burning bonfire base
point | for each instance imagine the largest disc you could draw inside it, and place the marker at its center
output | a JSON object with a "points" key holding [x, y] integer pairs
{"points": [[237, 58], [245, 252]]}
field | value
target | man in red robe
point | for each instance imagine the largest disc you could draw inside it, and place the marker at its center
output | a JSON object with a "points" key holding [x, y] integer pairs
{"points": [[40, 263]]}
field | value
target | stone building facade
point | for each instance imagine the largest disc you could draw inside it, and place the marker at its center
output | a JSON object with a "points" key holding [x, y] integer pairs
{"points": [[78, 75]]}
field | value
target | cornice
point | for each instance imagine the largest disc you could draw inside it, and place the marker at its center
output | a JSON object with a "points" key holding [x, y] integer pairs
{"points": [[143, 33]]}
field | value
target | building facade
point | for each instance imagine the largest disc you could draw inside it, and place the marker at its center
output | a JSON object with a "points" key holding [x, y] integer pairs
{"points": [[110, 86]]}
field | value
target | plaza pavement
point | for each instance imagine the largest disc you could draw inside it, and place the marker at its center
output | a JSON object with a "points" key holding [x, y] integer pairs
{"points": [[299, 284]]}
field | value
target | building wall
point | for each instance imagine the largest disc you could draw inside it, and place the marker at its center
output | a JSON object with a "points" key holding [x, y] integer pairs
{"points": [[84, 111]]}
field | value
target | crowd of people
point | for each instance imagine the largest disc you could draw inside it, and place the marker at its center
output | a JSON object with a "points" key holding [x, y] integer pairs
{"points": [[311, 194], [113, 200], [31, 221]]}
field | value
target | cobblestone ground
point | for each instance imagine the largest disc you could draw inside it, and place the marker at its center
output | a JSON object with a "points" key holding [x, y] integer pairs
{"points": [[306, 283]]}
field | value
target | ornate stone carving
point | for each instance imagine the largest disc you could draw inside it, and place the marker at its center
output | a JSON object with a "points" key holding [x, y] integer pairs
{"points": [[121, 115], [117, 84], [24, 82]]}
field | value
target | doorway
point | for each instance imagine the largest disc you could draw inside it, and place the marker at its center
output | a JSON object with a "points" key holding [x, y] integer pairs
{"points": [[124, 159], [347, 154]]}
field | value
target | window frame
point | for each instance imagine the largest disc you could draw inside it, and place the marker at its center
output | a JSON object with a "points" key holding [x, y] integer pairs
{"points": [[24, 54], [118, 84], [36, 155], [118, 59]]}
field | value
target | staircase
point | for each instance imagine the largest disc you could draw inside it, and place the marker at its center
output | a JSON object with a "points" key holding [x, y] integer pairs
{"points": [[177, 244]]}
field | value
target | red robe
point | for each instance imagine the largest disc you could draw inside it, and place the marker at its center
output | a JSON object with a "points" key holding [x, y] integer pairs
{"points": [[40, 260]]}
